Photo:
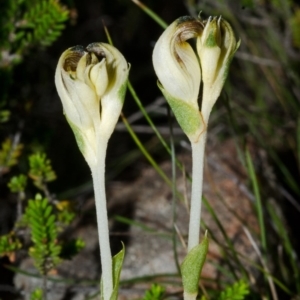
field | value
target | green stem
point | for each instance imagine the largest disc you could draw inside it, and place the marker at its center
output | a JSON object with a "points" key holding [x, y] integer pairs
{"points": [[174, 196], [147, 117], [151, 14], [259, 204], [145, 152], [45, 292], [98, 171], [196, 197]]}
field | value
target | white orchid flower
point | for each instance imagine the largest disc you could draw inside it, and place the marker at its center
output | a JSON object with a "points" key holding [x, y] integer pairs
{"points": [[91, 84], [178, 70], [179, 66]]}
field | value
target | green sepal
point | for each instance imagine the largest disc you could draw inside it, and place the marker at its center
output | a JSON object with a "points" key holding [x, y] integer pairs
{"points": [[123, 89], [192, 266], [228, 62], [188, 117], [78, 136], [117, 267]]}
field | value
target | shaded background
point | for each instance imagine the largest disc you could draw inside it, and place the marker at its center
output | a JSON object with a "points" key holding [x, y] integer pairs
{"points": [[33, 97]]}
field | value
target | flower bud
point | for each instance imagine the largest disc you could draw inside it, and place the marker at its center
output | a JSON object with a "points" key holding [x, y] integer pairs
{"points": [[178, 70], [216, 47], [91, 84]]}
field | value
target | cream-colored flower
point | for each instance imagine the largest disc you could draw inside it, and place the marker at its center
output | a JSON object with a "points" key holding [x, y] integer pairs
{"points": [[179, 67], [91, 84], [178, 70]]}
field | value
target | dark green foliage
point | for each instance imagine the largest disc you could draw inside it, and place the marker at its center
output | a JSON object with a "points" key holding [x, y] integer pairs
{"points": [[27, 23], [66, 216], [37, 294], [18, 183], [65, 212], [41, 170], [43, 23], [237, 291], [41, 220], [295, 26], [8, 244], [4, 115], [45, 219], [71, 248], [9, 154], [156, 292]]}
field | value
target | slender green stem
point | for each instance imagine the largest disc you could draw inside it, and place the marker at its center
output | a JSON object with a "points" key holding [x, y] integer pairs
{"points": [[152, 125], [174, 196], [151, 14], [259, 205], [145, 152], [45, 292], [196, 197], [98, 171], [229, 249]]}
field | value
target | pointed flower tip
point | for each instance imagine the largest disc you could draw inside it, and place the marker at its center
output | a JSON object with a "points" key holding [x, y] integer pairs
{"points": [[216, 48]]}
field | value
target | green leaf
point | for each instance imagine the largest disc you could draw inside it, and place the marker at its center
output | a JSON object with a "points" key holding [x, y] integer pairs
{"points": [[117, 267], [40, 171], [192, 266], [50, 220], [156, 292], [17, 184], [41, 220], [37, 294], [9, 154], [237, 291], [9, 243], [47, 211]]}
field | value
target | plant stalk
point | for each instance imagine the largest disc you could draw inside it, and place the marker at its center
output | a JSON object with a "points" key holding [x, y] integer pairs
{"points": [[45, 290], [198, 149], [98, 174], [187, 296]]}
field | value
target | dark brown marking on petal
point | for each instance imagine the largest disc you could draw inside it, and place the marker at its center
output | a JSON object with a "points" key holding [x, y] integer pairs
{"points": [[71, 61], [188, 29], [97, 50], [185, 19]]}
